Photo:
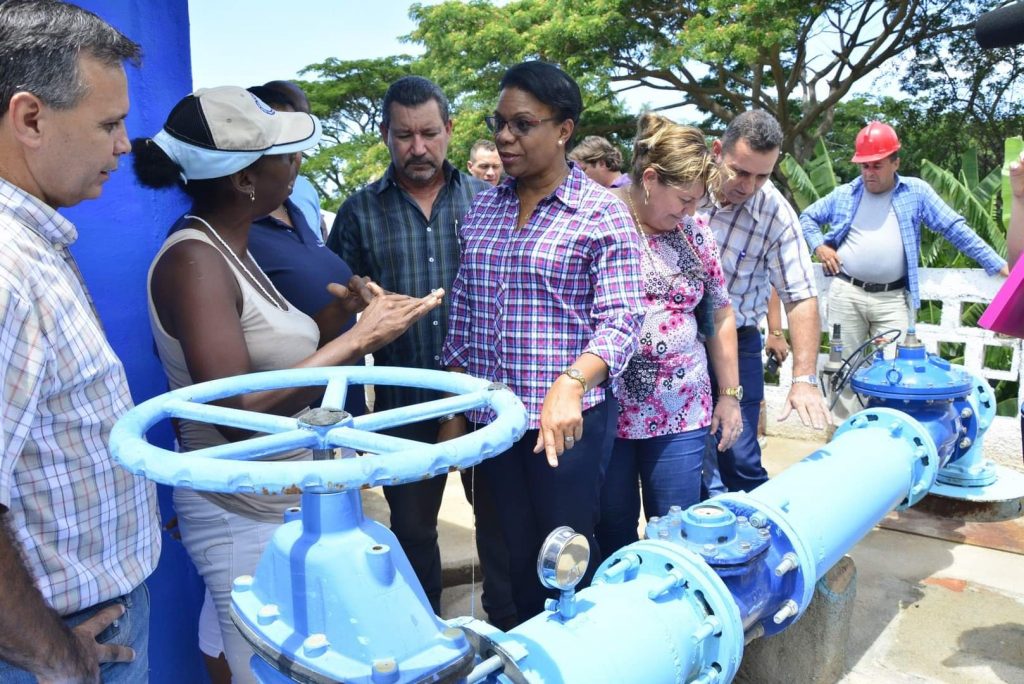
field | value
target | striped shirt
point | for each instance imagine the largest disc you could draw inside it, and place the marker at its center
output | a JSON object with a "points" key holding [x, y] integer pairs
{"points": [[381, 233], [761, 246], [528, 301], [914, 202], [87, 527]]}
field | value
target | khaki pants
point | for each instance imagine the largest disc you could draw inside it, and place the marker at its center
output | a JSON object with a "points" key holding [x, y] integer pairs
{"points": [[861, 316]]}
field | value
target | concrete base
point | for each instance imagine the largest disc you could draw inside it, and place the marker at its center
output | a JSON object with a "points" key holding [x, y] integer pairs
{"points": [[814, 649]]}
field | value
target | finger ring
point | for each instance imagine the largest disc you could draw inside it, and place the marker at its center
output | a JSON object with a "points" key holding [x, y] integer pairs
{"points": [[570, 439]]}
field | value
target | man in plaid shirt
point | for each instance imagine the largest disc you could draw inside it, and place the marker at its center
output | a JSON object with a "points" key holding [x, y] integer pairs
{"points": [[78, 533], [873, 242], [758, 235]]}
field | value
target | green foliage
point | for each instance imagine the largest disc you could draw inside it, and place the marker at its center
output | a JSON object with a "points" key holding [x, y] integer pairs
{"points": [[1013, 147], [971, 202], [346, 96], [813, 180], [797, 59]]}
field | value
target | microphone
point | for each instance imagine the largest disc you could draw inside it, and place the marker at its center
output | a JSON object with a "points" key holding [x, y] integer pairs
{"points": [[1001, 27]]}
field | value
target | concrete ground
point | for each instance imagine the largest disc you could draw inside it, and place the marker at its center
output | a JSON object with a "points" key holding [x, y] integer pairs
{"points": [[927, 610]]}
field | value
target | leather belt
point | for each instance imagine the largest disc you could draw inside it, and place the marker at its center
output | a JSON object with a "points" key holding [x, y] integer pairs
{"points": [[874, 287]]}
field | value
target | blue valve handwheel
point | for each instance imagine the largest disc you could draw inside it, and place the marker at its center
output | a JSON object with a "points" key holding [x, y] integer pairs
{"points": [[232, 468]]}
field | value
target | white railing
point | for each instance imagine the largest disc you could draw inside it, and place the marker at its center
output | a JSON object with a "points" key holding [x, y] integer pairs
{"points": [[954, 288]]}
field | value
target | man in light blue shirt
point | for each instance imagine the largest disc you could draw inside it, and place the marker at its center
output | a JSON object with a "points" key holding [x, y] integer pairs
{"points": [[873, 243]]}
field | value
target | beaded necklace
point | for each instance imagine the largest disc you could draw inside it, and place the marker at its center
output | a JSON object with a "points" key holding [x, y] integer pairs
{"points": [[238, 261]]}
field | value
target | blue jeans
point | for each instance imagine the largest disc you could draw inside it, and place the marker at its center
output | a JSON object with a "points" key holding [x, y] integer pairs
{"points": [[739, 468], [669, 469], [131, 629], [532, 498]]}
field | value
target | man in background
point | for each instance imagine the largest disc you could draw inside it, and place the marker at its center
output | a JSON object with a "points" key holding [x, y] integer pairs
{"points": [[600, 160], [873, 245], [484, 162], [401, 231]]}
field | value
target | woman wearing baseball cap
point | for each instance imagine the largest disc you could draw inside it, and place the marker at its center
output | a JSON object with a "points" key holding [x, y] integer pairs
{"points": [[215, 314]]}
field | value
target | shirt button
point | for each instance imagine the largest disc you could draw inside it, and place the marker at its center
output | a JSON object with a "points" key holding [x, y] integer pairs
{"points": [[437, 358], [431, 259], [429, 229], [436, 323]]}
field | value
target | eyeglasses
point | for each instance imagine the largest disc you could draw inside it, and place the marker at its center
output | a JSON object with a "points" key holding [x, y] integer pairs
{"points": [[519, 126]]}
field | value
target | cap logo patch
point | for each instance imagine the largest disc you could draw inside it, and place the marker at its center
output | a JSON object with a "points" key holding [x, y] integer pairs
{"points": [[264, 107]]}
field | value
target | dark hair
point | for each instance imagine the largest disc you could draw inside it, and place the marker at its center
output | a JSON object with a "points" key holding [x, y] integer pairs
{"points": [[295, 95], [273, 98], [759, 128], [549, 84], [40, 45], [412, 91], [156, 170]]}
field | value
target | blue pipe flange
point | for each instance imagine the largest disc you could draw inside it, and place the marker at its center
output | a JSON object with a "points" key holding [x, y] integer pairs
{"points": [[787, 545], [968, 467], [495, 650], [387, 461], [681, 575], [905, 427], [712, 531]]}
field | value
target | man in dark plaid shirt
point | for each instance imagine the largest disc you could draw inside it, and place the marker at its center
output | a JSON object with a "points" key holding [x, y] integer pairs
{"points": [[402, 232]]}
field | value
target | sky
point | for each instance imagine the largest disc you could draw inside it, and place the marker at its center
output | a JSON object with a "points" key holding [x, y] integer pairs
{"points": [[268, 40], [248, 42]]}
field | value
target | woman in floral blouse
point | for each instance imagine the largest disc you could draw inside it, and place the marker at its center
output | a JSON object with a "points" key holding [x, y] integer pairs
{"points": [[664, 395]]}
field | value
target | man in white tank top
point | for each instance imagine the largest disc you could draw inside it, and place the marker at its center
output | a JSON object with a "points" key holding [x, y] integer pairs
{"points": [[873, 242]]}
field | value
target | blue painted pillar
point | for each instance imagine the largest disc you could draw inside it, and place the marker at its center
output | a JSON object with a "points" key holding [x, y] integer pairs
{"points": [[118, 235]]}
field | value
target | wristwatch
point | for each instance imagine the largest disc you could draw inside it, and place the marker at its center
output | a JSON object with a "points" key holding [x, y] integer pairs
{"points": [[577, 375], [736, 391], [809, 379], [777, 332]]}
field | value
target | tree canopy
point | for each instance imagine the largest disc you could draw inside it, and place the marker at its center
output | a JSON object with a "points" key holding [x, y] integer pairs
{"points": [[797, 59]]}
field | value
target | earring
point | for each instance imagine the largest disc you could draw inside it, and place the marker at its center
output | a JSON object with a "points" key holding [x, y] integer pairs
{"points": [[647, 195], [252, 195], [560, 143]]}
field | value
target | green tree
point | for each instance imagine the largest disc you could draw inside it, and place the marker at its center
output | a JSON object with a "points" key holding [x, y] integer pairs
{"points": [[797, 59], [346, 95]]}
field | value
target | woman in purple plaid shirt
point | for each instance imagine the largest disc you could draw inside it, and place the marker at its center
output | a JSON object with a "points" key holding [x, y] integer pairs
{"points": [[665, 406], [547, 301]]}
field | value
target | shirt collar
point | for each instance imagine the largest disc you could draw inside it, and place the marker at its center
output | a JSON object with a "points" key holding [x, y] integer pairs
{"points": [[569, 193], [897, 187], [751, 205], [36, 214]]}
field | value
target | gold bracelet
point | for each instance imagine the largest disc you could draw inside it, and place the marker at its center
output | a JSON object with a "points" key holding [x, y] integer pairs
{"points": [[777, 333], [577, 375]]}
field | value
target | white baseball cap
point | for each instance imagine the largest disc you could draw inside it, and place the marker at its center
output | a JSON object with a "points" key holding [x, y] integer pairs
{"points": [[215, 132]]}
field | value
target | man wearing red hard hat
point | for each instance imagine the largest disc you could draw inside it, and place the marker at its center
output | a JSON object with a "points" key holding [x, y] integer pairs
{"points": [[873, 240]]}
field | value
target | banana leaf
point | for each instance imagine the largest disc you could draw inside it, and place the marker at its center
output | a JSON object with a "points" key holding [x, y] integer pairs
{"points": [[800, 185], [962, 200]]}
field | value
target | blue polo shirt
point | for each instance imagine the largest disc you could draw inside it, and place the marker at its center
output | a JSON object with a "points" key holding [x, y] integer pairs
{"points": [[301, 269]]}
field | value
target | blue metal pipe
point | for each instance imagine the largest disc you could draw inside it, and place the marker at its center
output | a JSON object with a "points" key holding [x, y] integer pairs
{"points": [[335, 597], [749, 570]]}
